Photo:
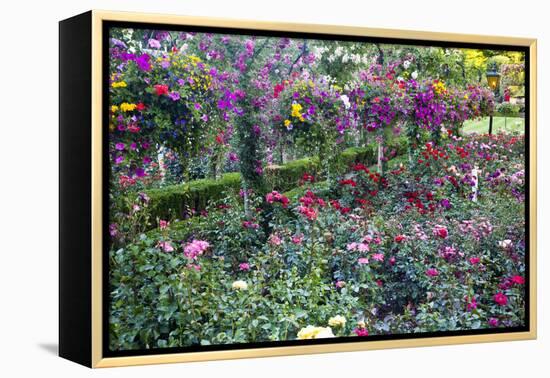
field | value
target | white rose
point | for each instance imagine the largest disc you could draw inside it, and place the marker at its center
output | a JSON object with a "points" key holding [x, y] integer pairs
{"points": [[239, 285], [406, 64], [414, 75]]}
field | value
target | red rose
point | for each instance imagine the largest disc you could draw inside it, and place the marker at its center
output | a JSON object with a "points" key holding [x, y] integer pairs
{"points": [[399, 238], [161, 89]]}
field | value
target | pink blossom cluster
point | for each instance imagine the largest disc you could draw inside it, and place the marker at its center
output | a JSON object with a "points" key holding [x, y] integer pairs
{"points": [[477, 228], [195, 248], [450, 253]]}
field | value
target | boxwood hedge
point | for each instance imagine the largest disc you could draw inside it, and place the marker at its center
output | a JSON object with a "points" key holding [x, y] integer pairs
{"points": [[178, 201]]}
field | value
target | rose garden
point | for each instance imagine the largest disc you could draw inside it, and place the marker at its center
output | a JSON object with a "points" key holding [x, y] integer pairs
{"points": [[269, 189]]}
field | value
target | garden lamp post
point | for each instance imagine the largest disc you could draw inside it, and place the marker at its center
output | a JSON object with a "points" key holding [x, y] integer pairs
{"points": [[493, 80], [446, 70]]}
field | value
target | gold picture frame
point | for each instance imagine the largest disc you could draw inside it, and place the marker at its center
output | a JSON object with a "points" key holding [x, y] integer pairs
{"points": [[94, 22]]}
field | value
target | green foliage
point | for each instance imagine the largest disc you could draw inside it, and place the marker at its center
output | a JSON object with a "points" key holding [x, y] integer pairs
{"points": [[507, 109]]}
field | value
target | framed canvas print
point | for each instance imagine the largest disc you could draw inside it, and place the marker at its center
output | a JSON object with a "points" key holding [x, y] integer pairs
{"points": [[235, 189]]}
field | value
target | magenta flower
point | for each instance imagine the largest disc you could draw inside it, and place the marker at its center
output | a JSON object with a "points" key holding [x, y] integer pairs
{"points": [[363, 260], [471, 303], [163, 224], [362, 332], [244, 266], [142, 62], [500, 299], [432, 272], [378, 257], [119, 146], [518, 280], [474, 260], [493, 322]]}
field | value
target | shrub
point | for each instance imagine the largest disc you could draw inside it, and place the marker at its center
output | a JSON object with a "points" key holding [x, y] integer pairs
{"points": [[181, 201]]}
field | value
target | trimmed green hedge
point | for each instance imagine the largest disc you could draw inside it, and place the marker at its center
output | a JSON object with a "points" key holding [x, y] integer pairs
{"points": [[176, 201]]}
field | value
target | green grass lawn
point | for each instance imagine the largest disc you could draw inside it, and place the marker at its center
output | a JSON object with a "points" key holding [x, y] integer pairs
{"points": [[507, 124]]}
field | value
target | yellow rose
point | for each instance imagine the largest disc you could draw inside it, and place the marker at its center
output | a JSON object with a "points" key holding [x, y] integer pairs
{"points": [[312, 332]]}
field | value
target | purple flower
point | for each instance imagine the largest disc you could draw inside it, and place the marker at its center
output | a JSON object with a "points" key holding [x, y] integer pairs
{"points": [[249, 45], [145, 145], [445, 203], [232, 157], [118, 43], [175, 96], [119, 159], [256, 129], [197, 106], [142, 62], [204, 117], [140, 172], [147, 160], [119, 146], [133, 146], [154, 43], [113, 229]]}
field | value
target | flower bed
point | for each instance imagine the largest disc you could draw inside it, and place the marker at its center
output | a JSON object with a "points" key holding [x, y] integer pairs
{"points": [[423, 249]]}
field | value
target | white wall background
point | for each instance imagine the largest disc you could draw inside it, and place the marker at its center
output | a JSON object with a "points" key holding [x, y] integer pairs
{"points": [[28, 189]]}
